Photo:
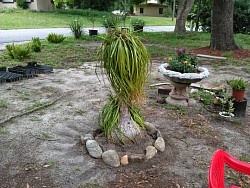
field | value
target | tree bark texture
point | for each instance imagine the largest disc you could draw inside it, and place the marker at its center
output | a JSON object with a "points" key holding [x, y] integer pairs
{"points": [[222, 25], [184, 8], [128, 130]]}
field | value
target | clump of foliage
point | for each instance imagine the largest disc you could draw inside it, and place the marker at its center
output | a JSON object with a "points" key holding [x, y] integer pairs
{"points": [[126, 63], [137, 22], [76, 28], [19, 51], [55, 38], [183, 63], [83, 12], [110, 21], [241, 15], [237, 83], [35, 44], [22, 4]]}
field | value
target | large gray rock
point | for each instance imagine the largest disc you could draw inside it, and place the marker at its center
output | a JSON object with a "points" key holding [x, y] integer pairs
{"points": [[150, 128], [160, 144], [150, 152], [111, 158], [94, 148]]}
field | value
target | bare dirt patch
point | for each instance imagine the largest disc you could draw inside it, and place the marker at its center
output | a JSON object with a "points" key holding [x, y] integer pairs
{"points": [[43, 149]]}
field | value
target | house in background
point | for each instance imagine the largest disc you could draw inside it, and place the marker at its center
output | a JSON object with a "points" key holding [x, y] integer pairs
{"points": [[39, 5], [150, 8]]}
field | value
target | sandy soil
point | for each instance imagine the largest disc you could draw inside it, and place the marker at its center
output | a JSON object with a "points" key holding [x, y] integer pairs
{"points": [[42, 118]]}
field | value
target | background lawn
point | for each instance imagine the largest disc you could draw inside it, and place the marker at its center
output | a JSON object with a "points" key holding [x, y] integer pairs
{"points": [[20, 19], [73, 53]]}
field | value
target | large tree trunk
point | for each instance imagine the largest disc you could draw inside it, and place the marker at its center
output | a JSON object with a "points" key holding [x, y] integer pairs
{"points": [[184, 8], [222, 25]]}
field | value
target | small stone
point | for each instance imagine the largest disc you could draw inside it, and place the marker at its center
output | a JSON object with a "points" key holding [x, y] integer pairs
{"points": [[124, 160], [150, 128], [136, 157], [111, 158], [150, 152], [86, 137], [160, 144], [94, 148], [158, 133]]}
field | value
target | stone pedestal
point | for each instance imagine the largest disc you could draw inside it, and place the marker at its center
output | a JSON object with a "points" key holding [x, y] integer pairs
{"points": [[179, 95]]}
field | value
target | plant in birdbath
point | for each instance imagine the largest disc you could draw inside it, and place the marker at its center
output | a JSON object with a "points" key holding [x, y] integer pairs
{"points": [[183, 62], [126, 62]]}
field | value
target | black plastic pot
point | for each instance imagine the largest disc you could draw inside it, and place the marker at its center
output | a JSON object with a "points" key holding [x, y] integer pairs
{"points": [[240, 107], [93, 32], [138, 28]]}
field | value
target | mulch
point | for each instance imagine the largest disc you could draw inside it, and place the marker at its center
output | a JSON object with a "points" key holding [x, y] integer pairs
{"points": [[237, 54]]}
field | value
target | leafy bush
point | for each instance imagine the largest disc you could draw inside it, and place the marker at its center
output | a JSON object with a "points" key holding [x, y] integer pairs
{"points": [[76, 28], [55, 38], [22, 4], [20, 51], [35, 44], [241, 16], [110, 21], [84, 12], [137, 22]]}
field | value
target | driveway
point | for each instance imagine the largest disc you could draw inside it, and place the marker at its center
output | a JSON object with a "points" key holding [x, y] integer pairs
{"points": [[24, 35]]}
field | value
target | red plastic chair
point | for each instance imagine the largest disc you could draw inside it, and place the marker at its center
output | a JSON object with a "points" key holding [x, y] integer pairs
{"points": [[216, 170]]}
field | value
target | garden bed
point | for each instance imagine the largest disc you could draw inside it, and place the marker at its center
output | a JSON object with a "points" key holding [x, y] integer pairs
{"points": [[43, 118]]}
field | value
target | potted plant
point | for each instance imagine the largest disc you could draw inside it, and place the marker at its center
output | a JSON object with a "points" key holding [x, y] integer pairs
{"points": [[92, 31], [126, 63], [226, 103], [110, 22], [137, 24], [238, 88]]}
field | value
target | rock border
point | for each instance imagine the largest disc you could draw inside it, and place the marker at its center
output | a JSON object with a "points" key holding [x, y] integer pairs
{"points": [[111, 157]]}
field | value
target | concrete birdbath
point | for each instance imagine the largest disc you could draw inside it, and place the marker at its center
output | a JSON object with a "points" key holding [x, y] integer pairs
{"points": [[181, 81]]}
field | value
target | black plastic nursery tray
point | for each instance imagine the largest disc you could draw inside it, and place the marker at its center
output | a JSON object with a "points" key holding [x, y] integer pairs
{"points": [[41, 69], [27, 72], [9, 76]]}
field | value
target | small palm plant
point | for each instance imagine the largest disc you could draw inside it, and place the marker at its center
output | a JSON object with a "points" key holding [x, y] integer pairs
{"points": [[126, 62]]}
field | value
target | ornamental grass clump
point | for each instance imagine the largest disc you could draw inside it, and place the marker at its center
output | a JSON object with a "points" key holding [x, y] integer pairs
{"points": [[183, 63], [126, 63]]}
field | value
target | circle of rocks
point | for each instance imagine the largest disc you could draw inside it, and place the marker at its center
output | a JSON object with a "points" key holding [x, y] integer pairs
{"points": [[111, 157]]}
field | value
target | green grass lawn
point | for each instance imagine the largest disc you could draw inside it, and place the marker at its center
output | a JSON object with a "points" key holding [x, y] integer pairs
{"points": [[73, 53], [20, 19]]}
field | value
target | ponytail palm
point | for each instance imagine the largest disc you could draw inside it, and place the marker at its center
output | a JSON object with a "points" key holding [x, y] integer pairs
{"points": [[126, 63]]}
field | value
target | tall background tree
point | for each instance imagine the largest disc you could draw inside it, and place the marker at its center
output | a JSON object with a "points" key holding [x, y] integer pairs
{"points": [[184, 7], [222, 25]]}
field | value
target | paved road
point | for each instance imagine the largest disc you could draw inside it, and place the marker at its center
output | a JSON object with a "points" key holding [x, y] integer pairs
{"points": [[23, 35]]}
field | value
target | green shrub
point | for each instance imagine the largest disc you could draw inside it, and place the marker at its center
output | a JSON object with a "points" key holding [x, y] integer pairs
{"points": [[84, 12], [76, 28], [20, 51], [110, 21], [55, 38], [22, 4], [35, 44], [137, 22]]}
